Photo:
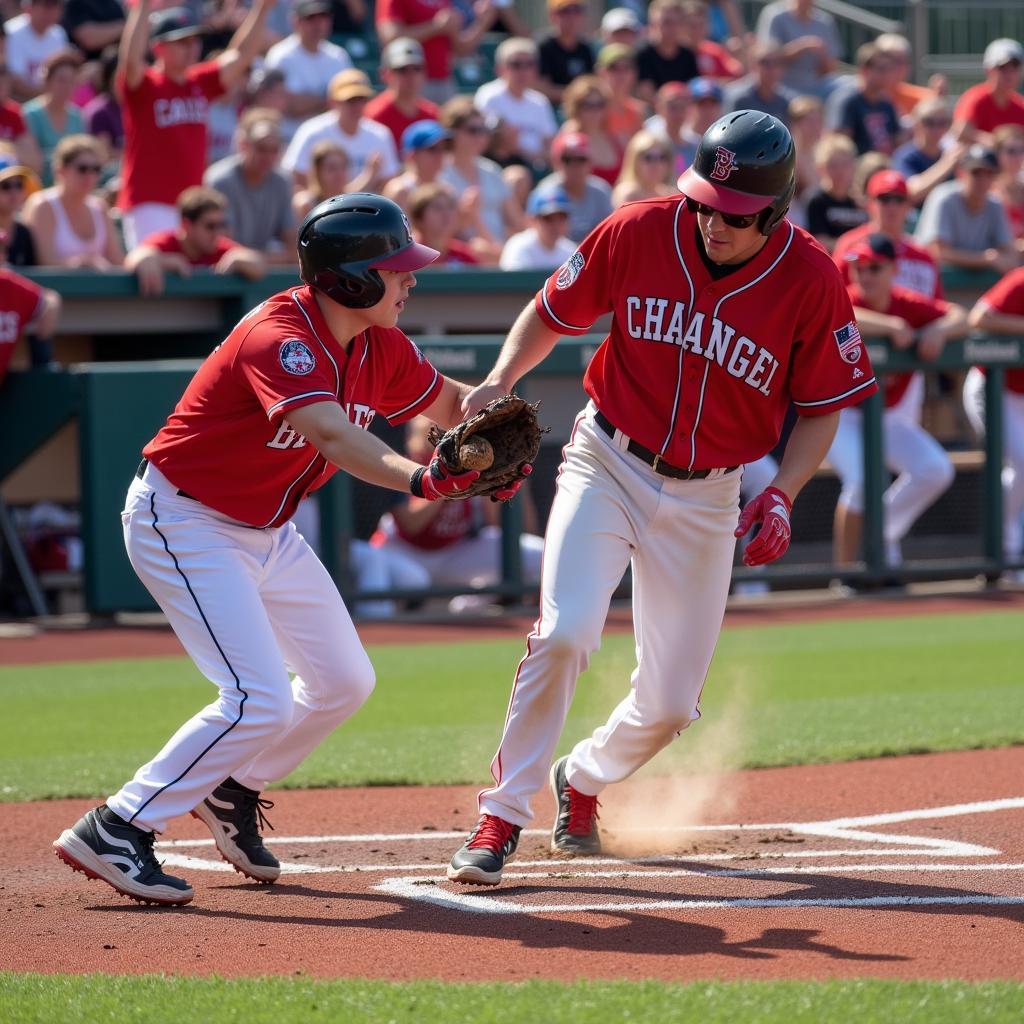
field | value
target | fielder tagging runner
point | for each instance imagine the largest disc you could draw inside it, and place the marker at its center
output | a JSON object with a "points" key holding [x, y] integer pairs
{"points": [[272, 413], [724, 313]]}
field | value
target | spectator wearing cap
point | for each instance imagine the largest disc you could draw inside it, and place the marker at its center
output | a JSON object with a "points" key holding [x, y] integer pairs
{"points": [[665, 57], [621, 25], [1008, 141], [199, 240], [25, 307], [93, 25], [997, 100], [706, 99], [166, 108], [962, 223], [309, 62], [402, 103], [487, 204], [369, 145], [434, 214], [585, 104], [51, 115], [865, 112], [616, 67], [672, 114], [810, 44], [259, 196], [329, 175], [713, 59], [512, 99], [565, 52], [831, 210], [921, 468], [545, 244], [590, 198], [888, 205], [906, 96], [762, 89], [32, 36], [424, 145], [17, 182], [927, 159], [648, 169]]}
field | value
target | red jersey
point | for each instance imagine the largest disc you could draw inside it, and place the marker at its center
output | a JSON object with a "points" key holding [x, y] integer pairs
{"points": [[20, 302], [978, 107], [228, 443], [383, 110], [917, 310], [699, 370], [168, 241], [12, 124], [715, 61], [916, 269], [454, 522], [437, 50], [1007, 296], [165, 134]]}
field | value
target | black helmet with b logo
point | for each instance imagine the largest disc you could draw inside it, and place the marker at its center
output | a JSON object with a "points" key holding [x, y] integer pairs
{"points": [[345, 240], [744, 164]]}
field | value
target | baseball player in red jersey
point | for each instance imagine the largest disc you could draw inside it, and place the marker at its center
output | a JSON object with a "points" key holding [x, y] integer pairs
{"points": [[724, 313], [272, 413], [923, 469], [1001, 311], [24, 305]]}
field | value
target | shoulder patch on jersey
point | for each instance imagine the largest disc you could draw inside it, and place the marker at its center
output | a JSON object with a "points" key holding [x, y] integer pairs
{"points": [[570, 270], [296, 357], [848, 341]]}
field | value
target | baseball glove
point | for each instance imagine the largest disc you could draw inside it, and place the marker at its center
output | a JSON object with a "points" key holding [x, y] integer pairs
{"points": [[502, 438]]}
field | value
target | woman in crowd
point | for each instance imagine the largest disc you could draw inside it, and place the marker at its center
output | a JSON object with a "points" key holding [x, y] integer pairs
{"points": [[1008, 141], [647, 170], [329, 176], [585, 103], [51, 116], [103, 112], [70, 226], [435, 218]]}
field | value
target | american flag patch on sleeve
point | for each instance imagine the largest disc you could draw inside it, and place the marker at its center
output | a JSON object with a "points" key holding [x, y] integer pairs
{"points": [[849, 342]]}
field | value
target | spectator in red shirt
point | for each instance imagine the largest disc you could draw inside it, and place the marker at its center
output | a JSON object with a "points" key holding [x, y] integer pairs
{"points": [[166, 108], [984, 107], [401, 104], [198, 241], [713, 59], [434, 215], [25, 306], [585, 104], [13, 128]]}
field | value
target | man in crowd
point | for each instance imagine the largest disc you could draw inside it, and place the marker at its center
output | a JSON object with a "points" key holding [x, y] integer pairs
{"points": [[926, 160], [997, 100], [713, 59], [259, 196], [865, 113], [93, 25], [762, 89], [590, 198], [670, 120], [810, 44], [424, 144], [545, 244], [33, 36], [621, 25], [831, 208], [665, 57], [401, 103], [565, 52]]}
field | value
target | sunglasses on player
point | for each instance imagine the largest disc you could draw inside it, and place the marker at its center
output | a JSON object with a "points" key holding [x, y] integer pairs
{"points": [[733, 220]]}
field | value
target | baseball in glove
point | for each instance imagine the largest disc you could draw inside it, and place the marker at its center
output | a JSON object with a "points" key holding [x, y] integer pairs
{"points": [[501, 441]]}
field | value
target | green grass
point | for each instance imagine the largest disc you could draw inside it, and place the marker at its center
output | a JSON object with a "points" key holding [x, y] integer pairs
{"points": [[785, 695], [36, 999]]}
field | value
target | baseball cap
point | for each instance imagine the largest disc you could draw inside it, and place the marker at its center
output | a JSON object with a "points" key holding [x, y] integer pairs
{"points": [[400, 53], [543, 201], [875, 248], [978, 155], [172, 24], [1002, 51], [886, 183], [619, 19], [350, 84], [705, 89], [423, 134], [10, 168], [307, 8], [613, 53], [575, 142]]}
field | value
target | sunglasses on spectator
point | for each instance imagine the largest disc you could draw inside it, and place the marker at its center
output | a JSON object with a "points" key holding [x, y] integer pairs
{"points": [[654, 155], [474, 129], [734, 220], [621, 65], [892, 197], [987, 171], [521, 65], [557, 215], [408, 69], [87, 168], [936, 122], [570, 9], [595, 104], [575, 158], [212, 225], [12, 185], [1012, 150], [869, 268]]}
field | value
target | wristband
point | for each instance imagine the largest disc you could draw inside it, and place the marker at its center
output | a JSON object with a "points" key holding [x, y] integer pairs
{"points": [[416, 481]]}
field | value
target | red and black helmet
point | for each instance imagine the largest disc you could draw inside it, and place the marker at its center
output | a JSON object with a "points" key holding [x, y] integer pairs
{"points": [[745, 163]]}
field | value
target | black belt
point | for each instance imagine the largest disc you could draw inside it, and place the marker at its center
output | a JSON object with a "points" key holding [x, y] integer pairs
{"points": [[653, 459], [141, 472]]}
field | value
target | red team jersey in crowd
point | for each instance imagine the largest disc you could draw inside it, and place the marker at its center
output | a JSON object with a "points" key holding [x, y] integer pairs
{"points": [[165, 134], [916, 269], [383, 110], [977, 107], [12, 124], [455, 520], [1007, 296], [228, 443], [917, 310], [20, 302], [700, 370], [437, 50], [168, 241]]}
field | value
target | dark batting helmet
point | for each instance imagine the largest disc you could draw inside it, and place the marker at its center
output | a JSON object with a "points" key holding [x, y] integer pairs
{"points": [[345, 240], [744, 164]]}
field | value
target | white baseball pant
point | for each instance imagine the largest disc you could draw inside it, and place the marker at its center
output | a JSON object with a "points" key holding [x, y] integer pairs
{"points": [[610, 509]]}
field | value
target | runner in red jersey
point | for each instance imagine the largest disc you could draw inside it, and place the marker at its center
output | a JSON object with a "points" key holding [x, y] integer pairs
{"points": [[922, 468], [23, 304], [273, 412], [723, 314], [165, 108]]}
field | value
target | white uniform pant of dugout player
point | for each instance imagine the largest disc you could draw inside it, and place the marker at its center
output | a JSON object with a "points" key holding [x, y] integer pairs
{"points": [[923, 469], [248, 605], [611, 509]]}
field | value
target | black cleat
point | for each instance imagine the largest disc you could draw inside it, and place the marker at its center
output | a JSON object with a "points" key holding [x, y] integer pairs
{"points": [[490, 846], [103, 845], [234, 815], [575, 831]]}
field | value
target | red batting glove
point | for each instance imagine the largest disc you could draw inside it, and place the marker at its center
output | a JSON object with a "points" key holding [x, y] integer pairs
{"points": [[435, 482], [771, 508], [509, 492]]}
